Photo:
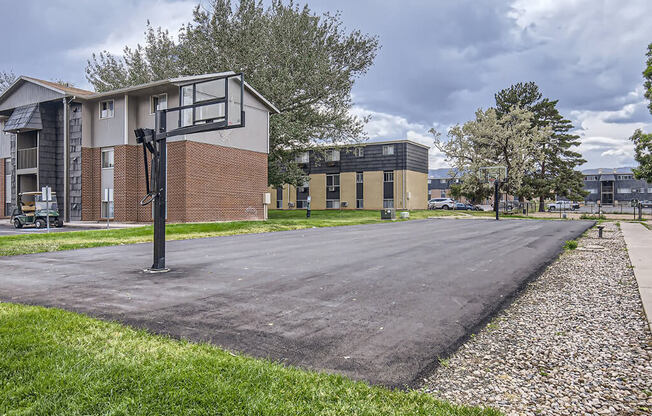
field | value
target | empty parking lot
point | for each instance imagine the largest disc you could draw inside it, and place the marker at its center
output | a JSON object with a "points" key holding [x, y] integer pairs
{"points": [[378, 302]]}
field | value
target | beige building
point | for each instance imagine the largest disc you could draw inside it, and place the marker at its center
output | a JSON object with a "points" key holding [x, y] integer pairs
{"points": [[376, 175]]}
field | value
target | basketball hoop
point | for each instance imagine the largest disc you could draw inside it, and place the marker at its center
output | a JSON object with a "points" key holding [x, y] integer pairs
{"points": [[214, 103], [493, 176]]}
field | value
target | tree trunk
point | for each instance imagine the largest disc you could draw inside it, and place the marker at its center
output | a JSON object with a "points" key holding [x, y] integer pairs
{"points": [[542, 203]]}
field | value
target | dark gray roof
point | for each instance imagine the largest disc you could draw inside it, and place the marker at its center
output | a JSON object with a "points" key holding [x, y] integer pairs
{"points": [[27, 117], [626, 170], [610, 177]]}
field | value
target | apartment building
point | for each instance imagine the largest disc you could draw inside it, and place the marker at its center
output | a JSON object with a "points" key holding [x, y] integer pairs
{"points": [[82, 144], [375, 175], [611, 186]]}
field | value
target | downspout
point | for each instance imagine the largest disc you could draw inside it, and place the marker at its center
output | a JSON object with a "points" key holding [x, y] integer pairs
{"points": [[405, 175]]}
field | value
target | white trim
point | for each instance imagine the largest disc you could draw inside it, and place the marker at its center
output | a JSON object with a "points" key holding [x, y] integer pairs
{"points": [[151, 97], [126, 131], [99, 109], [105, 150]]}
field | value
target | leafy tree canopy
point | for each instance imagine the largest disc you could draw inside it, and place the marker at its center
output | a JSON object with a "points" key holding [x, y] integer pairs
{"points": [[6, 79], [643, 155], [306, 64]]}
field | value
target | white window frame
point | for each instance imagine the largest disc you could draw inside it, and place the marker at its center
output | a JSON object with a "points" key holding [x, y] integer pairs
{"points": [[389, 174], [624, 190], [112, 109], [388, 150], [333, 185], [649, 190], [152, 110], [332, 155], [359, 177], [443, 181], [388, 203], [359, 204], [107, 150], [593, 191], [335, 204], [303, 157], [358, 152]]}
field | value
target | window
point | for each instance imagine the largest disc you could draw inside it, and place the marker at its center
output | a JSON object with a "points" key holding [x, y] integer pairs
{"points": [[624, 191], [106, 109], [158, 102], [332, 155], [359, 204], [303, 157], [186, 99], [429, 181], [624, 177], [649, 190], [442, 181], [107, 158], [107, 203], [388, 149], [388, 203], [358, 152], [305, 187], [591, 178], [302, 204], [388, 176], [359, 177], [443, 194], [333, 203], [333, 182], [593, 191], [7, 187]]}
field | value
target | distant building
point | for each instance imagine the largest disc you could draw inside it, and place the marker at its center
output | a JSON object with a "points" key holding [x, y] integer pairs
{"points": [[617, 185], [374, 175]]}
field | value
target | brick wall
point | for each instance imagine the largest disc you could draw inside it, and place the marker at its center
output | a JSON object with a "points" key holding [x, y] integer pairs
{"points": [[205, 183], [91, 183], [224, 183]]}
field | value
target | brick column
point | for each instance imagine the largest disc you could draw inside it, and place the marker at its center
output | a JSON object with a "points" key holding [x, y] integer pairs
{"points": [[91, 183], [125, 186]]}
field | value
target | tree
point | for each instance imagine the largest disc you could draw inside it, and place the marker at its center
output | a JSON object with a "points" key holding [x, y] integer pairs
{"points": [[647, 75], [6, 79], [305, 64], [643, 155], [489, 140], [553, 173]]}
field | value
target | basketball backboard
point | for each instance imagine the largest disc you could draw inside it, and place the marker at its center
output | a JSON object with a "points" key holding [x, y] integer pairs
{"points": [[218, 101], [490, 174]]}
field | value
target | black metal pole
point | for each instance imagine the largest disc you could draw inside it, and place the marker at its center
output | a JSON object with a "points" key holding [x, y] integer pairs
{"points": [[496, 196], [160, 199]]}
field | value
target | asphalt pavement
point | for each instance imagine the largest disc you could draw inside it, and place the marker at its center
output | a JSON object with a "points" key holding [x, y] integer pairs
{"points": [[379, 302]]}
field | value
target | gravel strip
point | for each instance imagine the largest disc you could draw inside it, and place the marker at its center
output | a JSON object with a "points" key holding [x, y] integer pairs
{"points": [[575, 341]]}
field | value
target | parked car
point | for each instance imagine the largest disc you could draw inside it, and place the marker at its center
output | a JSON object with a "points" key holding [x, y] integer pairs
{"points": [[562, 206], [646, 204], [469, 207], [477, 208], [441, 203], [460, 206]]}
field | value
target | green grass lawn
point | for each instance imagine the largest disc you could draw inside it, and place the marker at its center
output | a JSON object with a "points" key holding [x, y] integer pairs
{"points": [[278, 221], [58, 362]]}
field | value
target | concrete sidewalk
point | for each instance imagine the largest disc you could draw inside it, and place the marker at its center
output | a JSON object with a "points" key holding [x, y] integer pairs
{"points": [[639, 245]]}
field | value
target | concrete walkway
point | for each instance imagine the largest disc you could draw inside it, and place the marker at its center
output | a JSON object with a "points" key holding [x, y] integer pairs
{"points": [[639, 245]]}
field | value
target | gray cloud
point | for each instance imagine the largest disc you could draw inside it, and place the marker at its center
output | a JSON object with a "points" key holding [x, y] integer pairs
{"points": [[439, 62]]}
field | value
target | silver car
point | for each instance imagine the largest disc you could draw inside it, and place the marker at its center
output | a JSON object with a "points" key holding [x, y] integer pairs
{"points": [[441, 203]]}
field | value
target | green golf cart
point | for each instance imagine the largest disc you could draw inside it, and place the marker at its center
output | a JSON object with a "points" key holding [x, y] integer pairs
{"points": [[33, 211]]}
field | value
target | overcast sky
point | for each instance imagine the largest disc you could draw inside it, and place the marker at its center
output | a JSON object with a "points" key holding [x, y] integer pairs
{"points": [[439, 62]]}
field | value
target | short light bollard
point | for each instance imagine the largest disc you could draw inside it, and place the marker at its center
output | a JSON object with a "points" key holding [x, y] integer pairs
{"points": [[600, 228]]}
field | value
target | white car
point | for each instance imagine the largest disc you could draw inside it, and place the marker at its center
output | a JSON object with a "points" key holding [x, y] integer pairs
{"points": [[562, 206], [441, 203]]}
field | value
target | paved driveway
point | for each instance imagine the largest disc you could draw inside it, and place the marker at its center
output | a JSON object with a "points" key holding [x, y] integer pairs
{"points": [[8, 229], [377, 302]]}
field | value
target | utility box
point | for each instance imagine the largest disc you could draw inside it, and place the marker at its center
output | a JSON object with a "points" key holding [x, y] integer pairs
{"points": [[388, 214], [267, 198], [405, 214]]}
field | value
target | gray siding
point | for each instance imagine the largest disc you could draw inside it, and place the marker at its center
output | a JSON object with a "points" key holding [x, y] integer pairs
{"points": [[5, 143], [406, 156], [50, 153], [28, 93], [74, 166]]}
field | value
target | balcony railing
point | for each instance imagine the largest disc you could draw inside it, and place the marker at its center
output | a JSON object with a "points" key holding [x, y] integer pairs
{"points": [[26, 158]]}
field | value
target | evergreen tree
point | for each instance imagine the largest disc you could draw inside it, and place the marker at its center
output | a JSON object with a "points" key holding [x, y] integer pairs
{"points": [[6, 79], [554, 170]]}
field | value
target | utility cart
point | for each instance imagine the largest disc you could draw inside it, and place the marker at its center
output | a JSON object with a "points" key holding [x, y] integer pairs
{"points": [[32, 211]]}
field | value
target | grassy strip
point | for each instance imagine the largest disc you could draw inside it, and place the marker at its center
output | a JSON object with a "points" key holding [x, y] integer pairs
{"points": [[278, 221], [58, 362]]}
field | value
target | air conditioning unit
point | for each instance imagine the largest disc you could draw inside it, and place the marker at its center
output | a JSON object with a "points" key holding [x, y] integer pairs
{"points": [[331, 189]]}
